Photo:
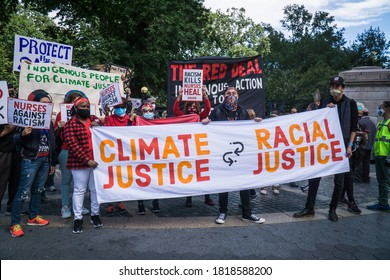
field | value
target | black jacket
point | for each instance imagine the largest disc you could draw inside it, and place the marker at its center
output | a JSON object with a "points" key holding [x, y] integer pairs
{"points": [[220, 113], [29, 145]]}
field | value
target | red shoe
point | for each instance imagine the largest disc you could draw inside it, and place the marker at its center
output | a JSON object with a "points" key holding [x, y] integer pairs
{"points": [[110, 210], [37, 221], [121, 208], [16, 230]]}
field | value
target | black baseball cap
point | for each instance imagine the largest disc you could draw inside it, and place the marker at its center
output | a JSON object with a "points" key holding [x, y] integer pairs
{"points": [[337, 80]]}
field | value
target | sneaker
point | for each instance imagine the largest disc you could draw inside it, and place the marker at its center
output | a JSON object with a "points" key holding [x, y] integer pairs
{"points": [[264, 191], [141, 209], [209, 202], [110, 210], [352, 207], [95, 220], [85, 211], [253, 219], [37, 221], [221, 218], [65, 212], [343, 201], [77, 226], [156, 208], [379, 207], [275, 189], [252, 194], [16, 230], [52, 188], [121, 208]]}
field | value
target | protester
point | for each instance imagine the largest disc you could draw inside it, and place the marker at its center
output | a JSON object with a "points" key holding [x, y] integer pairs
{"points": [[38, 157], [77, 136], [347, 111], [363, 151], [66, 175], [230, 110], [193, 107], [119, 118], [382, 158], [147, 110]]}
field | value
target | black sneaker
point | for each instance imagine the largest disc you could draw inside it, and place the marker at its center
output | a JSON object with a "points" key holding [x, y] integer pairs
{"points": [[352, 207], [156, 208], [77, 226], [95, 220], [343, 201], [253, 219], [141, 209], [221, 218]]}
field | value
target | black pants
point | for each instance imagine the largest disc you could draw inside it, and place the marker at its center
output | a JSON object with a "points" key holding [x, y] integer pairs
{"points": [[11, 166], [361, 166], [245, 203], [341, 180]]}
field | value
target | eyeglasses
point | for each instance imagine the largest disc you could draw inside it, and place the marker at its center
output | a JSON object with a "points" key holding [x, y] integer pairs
{"points": [[147, 111], [123, 107]]}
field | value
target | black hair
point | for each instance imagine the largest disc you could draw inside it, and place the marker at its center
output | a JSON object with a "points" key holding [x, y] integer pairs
{"points": [[386, 104]]}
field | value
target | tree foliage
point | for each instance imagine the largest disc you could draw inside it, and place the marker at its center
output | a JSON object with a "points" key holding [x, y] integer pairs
{"points": [[371, 48]]}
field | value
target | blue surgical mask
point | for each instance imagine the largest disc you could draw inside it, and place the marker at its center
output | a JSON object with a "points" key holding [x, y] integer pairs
{"points": [[380, 112], [120, 112], [148, 115]]}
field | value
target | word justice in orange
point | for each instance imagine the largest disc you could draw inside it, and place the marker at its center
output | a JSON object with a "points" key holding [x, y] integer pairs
{"points": [[304, 144], [173, 150]]}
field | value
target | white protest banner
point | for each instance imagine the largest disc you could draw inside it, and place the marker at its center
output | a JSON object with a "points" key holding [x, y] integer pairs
{"points": [[40, 51], [110, 96], [66, 109], [192, 85], [3, 102], [57, 80], [191, 159], [29, 113]]}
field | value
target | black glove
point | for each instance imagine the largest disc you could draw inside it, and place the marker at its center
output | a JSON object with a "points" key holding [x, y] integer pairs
{"points": [[372, 161]]}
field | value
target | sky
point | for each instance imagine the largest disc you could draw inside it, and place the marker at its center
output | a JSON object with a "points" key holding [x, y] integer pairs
{"points": [[355, 16]]}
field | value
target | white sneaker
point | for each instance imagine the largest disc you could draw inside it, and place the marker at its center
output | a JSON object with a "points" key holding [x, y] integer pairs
{"points": [[263, 191], [65, 212], [253, 219], [85, 211], [275, 190], [221, 218], [52, 188]]}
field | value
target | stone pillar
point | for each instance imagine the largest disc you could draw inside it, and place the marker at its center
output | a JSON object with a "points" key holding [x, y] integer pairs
{"points": [[369, 85]]}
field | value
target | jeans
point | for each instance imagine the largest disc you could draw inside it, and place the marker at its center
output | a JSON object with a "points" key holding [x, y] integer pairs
{"points": [[66, 177], [245, 203], [32, 179], [83, 179]]}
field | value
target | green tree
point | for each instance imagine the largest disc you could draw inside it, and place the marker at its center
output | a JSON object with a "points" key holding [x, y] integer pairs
{"points": [[24, 22], [232, 34], [371, 48], [141, 34]]}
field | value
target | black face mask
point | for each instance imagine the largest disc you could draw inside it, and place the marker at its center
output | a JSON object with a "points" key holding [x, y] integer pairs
{"points": [[83, 113]]}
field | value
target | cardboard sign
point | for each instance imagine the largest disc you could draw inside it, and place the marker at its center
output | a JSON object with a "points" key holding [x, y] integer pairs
{"points": [[40, 51], [3, 102], [110, 96], [25, 113], [192, 85], [57, 80]]}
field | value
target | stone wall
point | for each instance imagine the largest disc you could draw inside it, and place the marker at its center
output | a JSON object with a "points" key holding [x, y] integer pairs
{"points": [[369, 85]]}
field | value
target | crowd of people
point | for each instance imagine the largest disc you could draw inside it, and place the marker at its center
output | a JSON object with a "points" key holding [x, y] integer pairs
{"points": [[29, 156]]}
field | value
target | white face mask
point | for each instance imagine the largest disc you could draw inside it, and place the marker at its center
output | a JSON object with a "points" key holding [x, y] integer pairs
{"points": [[336, 92]]}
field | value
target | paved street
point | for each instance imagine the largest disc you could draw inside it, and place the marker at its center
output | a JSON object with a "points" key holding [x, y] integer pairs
{"points": [[190, 233]]}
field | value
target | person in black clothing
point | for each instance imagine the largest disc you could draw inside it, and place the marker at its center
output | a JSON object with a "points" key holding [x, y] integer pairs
{"points": [[347, 111], [230, 110]]}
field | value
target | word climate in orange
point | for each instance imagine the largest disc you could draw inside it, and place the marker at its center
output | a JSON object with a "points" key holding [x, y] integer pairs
{"points": [[157, 161], [297, 144]]}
